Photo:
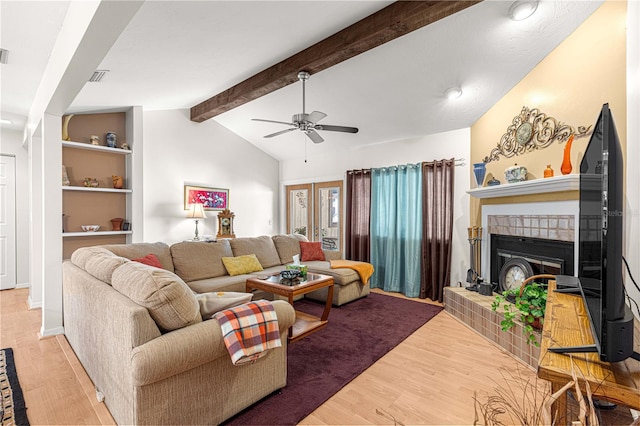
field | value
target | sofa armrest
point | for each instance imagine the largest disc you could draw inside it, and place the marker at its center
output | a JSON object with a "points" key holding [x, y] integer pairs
{"points": [[332, 255], [189, 347]]}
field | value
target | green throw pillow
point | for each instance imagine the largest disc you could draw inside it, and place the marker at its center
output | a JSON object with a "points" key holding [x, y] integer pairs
{"points": [[242, 264]]}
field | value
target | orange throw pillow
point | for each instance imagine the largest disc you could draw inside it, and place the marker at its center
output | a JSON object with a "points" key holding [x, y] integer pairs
{"points": [[311, 251], [151, 260]]}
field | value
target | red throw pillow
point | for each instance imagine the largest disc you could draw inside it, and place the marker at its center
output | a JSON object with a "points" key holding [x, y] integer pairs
{"points": [[311, 251], [151, 260]]}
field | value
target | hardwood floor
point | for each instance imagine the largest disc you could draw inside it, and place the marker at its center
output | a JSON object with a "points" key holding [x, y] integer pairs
{"points": [[428, 379]]}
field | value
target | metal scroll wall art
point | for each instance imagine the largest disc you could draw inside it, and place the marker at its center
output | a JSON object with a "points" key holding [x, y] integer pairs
{"points": [[531, 130]]}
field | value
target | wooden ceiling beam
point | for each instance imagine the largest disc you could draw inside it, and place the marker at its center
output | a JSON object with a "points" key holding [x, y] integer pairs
{"points": [[393, 21]]}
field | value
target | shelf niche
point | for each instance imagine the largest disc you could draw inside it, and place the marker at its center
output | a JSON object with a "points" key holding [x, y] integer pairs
{"points": [[94, 206]]}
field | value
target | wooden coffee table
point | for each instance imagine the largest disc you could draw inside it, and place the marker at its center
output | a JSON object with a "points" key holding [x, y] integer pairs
{"points": [[305, 324]]}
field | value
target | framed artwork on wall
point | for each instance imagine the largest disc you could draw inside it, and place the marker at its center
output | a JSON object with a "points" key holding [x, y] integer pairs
{"points": [[210, 198]]}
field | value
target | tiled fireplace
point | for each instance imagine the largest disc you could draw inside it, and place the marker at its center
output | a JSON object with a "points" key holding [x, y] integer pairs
{"points": [[549, 221]]}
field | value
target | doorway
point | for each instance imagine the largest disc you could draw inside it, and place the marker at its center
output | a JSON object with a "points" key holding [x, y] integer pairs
{"points": [[7, 222], [315, 211]]}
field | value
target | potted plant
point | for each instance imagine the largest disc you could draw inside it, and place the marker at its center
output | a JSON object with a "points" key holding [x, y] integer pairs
{"points": [[529, 303]]}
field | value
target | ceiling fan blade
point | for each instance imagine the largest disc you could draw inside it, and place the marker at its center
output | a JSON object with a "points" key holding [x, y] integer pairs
{"points": [[314, 136], [316, 116], [331, 128], [272, 121], [280, 132]]}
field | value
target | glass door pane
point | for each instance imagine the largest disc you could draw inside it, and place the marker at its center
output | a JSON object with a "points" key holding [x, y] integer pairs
{"points": [[328, 217], [299, 210]]}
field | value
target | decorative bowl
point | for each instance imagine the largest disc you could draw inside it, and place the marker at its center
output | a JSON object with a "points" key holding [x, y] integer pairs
{"points": [[90, 182], [90, 228], [516, 174], [289, 274]]}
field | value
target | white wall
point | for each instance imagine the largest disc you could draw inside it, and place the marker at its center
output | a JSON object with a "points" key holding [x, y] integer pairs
{"points": [[178, 151], [454, 144], [12, 145], [632, 208]]}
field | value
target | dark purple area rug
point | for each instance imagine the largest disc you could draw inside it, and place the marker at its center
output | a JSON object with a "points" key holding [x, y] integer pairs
{"points": [[356, 336]]}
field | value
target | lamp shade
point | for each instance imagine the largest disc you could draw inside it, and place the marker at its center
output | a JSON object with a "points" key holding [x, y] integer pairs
{"points": [[196, 211]]}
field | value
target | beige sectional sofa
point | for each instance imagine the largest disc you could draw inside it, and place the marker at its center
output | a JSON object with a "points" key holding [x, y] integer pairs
{"points": [[200, 265], [138, 332]]}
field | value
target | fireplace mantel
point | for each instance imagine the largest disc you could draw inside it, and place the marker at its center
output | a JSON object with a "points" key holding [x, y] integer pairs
{"points": [[537, 186]]}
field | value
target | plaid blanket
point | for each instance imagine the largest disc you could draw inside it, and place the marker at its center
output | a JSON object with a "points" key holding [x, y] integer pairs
{"points": [[249, 330]]}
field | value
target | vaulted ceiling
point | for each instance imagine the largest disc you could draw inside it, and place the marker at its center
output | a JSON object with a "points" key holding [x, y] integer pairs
{"points": [[177, 54]]}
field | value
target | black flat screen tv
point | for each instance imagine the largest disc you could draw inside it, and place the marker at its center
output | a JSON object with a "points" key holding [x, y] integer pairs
{"points": [[601, 227]]}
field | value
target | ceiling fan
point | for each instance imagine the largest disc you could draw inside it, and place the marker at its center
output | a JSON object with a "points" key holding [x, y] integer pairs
{"points": [[308, 123]]}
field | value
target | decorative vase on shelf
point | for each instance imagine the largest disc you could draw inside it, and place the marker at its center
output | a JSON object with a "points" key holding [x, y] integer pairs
{"points": [[479, 172], [548, 172], [565, 168], [111, 139], [65, 177], [65, 127], [117, 182], [117, 223]]}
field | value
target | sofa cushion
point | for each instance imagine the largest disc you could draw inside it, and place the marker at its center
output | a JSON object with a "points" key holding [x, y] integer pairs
{"points": [[199, 260], [150, 260], [242, 264], [262, 247], [98, 262], [341, 276], [287, 246], [138, 250], [216, 301], [311, 251], [170, 302], [224, 283]]}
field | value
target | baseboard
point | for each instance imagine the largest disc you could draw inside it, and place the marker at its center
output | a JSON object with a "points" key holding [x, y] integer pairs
{"points": [[23, 285], [32, 304], [43, 334]]}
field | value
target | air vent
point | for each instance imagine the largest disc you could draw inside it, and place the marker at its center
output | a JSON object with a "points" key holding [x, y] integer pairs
{"points": [[4, 56], [98, 75]]}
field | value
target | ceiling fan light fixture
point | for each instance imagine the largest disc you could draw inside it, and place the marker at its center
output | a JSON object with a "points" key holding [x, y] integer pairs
{"points": [[522, 9], [453, 93]]}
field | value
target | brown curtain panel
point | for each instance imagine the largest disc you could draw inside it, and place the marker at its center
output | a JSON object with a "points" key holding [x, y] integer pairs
{"points": [[437, 227], [357, 215]]}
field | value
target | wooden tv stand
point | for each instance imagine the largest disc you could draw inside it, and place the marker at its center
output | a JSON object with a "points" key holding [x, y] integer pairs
{"points": [[567, 324]]}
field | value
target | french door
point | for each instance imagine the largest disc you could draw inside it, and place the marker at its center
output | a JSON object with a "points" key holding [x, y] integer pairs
{"points": [[315, 210]]}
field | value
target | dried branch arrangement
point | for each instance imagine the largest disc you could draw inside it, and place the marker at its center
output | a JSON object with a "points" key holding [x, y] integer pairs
{"points": [[521, 400]]}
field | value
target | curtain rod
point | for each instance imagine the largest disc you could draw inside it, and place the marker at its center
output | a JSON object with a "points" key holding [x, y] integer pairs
{"points": [[457, 161]]}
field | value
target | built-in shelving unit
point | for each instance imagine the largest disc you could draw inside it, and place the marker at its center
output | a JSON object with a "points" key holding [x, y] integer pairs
{"points": [[96, 205]]}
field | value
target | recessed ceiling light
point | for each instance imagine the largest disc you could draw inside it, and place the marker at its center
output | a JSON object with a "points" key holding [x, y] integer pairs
{"points": [[453, 92], [5, 121], [522, 9]]}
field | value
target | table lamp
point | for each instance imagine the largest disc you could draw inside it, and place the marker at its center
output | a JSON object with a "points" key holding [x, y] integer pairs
{"points": [[196, 211]]}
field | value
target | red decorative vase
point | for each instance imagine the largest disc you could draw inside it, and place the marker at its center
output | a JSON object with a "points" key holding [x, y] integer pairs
{"points": [[566, 159]]}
